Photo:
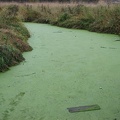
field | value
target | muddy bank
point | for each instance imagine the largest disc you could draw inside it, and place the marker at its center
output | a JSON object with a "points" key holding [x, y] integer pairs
{"points": [[67, 68]]}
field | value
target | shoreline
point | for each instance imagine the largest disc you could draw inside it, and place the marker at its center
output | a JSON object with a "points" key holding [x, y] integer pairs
{"points": [[14, 35]]}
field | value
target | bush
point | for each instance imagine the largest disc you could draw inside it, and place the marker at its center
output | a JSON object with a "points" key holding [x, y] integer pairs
{"points": [[9, 57], [63, 17]]}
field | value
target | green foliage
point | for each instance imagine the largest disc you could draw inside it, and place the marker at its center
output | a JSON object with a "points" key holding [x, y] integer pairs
{"points": [[30, 14], [107, 20], [85, 23], [13, 35], [63, 17], [9, 56]]}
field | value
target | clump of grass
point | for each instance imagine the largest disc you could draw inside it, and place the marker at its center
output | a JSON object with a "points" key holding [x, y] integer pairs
{"points": [[31, 14], [107, 20], [9, 21], [9, 56], [13, 38]]}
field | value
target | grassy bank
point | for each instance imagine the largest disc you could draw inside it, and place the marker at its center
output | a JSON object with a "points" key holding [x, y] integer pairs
{"points": [[103, 18], [13, 38]]}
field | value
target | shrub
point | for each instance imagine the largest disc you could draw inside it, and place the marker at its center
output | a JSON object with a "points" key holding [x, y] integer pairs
{"points": [[63, 17], [9, 57]]}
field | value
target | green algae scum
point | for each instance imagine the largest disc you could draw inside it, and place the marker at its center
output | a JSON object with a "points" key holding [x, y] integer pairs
{"points": [[66, 68]]}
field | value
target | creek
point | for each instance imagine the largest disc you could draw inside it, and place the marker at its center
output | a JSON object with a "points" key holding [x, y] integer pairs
{"points": [[67, 68]]}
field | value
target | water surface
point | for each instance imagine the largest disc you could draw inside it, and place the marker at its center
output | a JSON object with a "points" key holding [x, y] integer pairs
{"points": [[67, 68]]}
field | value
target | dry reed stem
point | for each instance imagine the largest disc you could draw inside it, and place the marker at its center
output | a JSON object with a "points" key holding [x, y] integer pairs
{"points": [[55, 4]]}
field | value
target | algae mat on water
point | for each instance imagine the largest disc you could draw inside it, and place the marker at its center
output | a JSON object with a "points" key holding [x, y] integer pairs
{"points": [[66, 68]]}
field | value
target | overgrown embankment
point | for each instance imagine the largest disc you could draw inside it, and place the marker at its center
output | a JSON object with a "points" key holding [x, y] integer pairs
{"points": [[97, 18], [13, 38], [13, 34]]}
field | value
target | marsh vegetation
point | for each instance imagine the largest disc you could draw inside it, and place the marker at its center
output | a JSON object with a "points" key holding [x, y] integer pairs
{"points": [[67, 67], [13, 37], [104, 18], [93, 17]]}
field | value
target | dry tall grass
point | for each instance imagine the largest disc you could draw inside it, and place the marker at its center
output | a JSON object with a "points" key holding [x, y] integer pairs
{"points": [[101, 17], [94, 17]]}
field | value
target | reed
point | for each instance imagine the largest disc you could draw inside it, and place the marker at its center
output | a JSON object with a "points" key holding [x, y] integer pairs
{"points": [[94, 17]]}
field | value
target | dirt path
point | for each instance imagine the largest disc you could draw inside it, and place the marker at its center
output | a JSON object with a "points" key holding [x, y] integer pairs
{"points": [[67, 68]]}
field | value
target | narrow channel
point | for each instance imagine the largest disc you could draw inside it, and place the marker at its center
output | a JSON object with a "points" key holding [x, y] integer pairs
{"points": [[67, 68]]}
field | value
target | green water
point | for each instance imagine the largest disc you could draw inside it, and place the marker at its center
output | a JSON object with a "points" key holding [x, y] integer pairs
{"points": [[67, 68]]}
